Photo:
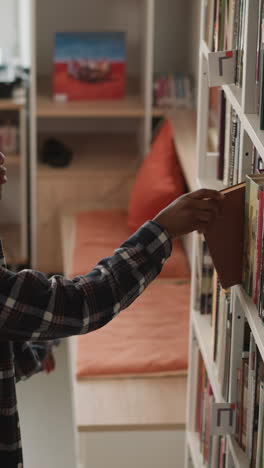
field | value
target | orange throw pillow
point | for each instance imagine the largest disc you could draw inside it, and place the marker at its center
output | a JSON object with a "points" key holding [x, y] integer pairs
{"points": [[159, 180]]}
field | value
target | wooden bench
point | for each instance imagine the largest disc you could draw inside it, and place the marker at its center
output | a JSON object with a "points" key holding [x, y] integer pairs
{"points": [[126, 404], [105, 406]]}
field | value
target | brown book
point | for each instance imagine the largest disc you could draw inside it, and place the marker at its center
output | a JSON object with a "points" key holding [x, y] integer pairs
{"points": [[225, 236]]}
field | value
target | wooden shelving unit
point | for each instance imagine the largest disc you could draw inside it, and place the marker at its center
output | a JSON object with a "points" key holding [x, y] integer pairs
{"points": [[132, 106]]}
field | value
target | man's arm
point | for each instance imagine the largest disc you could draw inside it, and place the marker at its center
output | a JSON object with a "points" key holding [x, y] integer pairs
{"points": [[33, 308]]}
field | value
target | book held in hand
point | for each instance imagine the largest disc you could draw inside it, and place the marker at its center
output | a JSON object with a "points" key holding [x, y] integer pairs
{"points": [[225, 236]]}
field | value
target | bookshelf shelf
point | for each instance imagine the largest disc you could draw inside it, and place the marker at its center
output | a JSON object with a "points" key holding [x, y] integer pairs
{"points": [[239, 457], [193, 443], [131, 106], [204, 335]]}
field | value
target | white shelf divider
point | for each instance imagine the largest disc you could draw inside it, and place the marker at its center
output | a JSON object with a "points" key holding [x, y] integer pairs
{"points": [[193, 443]]}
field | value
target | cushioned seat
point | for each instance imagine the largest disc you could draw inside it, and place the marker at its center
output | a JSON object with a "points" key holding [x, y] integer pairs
{"points": [[150, 337], [99, 233]]}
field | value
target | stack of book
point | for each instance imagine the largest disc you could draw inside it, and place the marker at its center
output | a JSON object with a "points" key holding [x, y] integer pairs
{"points": [[172, 90], [225, 29]]}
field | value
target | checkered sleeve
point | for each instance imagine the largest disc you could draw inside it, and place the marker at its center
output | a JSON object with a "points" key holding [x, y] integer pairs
{"points": [[34, 308]]}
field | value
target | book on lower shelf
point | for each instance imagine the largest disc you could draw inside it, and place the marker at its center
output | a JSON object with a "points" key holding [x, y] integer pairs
{"points": [[212, 447], [248, 402], [225, 29]]}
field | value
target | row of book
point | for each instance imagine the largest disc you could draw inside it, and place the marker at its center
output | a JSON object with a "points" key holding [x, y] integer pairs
{"points": [[222, 328], [225, 29], [228, 146], [204, 277], [253, 258], [212, 448], [248, 407], [172, 90], [213, 300]]}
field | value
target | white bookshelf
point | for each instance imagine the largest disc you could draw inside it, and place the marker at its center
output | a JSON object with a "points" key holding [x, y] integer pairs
{"points": [[242, 100]]}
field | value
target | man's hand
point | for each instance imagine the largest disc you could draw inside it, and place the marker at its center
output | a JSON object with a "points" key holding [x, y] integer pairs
{"points": [[3, 177], [191, 212]]}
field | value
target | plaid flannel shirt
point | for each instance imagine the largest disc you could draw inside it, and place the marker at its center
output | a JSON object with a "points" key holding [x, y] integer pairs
{"points": [[35, 309]]}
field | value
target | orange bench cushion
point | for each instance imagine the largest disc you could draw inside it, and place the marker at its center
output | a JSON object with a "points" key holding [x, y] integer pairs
{"points": [[150, 337], [99, 233]]}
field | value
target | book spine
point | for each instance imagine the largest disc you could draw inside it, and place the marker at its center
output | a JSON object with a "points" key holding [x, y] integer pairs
{"points": [[222, 131], [227, 143], [233, 147]]}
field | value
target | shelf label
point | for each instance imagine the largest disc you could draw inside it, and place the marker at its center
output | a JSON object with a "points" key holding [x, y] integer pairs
{"points": [[221, 68], [223, 419]]}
